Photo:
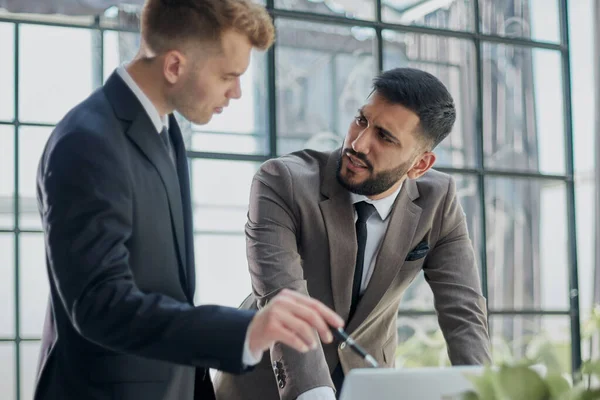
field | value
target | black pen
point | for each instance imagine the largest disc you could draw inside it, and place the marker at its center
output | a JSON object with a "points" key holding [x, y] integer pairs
{"points": [[343, 337]]}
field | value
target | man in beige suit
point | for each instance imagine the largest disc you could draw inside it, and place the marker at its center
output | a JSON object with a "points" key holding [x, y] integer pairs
{"points": [[353, 228]]}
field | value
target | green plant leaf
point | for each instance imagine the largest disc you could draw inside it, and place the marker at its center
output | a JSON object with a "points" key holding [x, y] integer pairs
{"points": [[470, 395], [557, 385], [484, 384], [591, 368], [521, 383], [589, 395], [555, 356]]}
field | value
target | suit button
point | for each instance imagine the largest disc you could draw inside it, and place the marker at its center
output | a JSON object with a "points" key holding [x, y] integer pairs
{"points": [[281, 384], [277, 364], [342, 345]]}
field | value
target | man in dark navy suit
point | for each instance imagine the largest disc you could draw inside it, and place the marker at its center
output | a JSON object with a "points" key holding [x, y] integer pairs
{"points": [[114, 199]]}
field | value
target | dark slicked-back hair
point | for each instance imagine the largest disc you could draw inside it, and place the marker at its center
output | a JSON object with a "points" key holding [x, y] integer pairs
{"points": [[423, 94]]}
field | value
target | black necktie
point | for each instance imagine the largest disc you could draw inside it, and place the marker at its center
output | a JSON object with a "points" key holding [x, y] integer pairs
{"points": [[164, 136], [364, 211]]}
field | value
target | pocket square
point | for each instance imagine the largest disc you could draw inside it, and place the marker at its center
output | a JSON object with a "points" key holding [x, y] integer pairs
{"points": [[418, 252]]}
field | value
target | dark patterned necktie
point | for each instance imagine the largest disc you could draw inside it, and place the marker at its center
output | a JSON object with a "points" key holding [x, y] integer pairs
{"points": [[364, 211]]}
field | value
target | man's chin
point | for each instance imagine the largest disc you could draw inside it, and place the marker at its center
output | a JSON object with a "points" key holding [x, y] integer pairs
{"points": [[348, 181], [201, 120]]}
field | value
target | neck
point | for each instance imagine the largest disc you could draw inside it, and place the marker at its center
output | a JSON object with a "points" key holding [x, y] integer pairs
{"points": [[146, 74]]}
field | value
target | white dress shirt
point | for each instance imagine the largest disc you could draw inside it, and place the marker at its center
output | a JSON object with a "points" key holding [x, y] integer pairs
{"points": [[159, 122], [377, 225]]}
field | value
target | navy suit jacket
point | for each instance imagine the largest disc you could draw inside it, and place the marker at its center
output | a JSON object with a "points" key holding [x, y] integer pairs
{"points": [[117, 220]]}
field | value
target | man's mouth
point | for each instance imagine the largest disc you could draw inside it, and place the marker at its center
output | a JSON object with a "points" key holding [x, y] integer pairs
{"points": [[355, 162]]}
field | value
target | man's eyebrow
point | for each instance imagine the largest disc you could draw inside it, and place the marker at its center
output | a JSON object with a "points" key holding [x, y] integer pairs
{"points": [[387, 133]]}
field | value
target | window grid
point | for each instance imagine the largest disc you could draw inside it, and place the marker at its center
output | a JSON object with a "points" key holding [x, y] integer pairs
{"points": [[480, 172]]}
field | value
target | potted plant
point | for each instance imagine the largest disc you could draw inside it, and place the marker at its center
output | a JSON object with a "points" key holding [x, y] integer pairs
{"points": [[520, 382]]}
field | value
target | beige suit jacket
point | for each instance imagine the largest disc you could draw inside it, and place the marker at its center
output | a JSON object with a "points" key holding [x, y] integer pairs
{"points": [[301, 235]]}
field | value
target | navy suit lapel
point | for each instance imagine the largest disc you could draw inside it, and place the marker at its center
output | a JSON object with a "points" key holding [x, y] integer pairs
{"points": [[184, 184], [140, 131]]}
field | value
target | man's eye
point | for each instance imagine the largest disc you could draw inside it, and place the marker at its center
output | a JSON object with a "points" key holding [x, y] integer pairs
{"points": [[385, 137], [361, 121]]}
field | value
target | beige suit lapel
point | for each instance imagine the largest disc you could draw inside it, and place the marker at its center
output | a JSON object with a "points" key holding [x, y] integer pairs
{"points": [[338, 215], [396, 245]]}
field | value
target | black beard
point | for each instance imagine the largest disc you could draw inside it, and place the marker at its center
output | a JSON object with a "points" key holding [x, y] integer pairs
{"points": [[375, 184]]}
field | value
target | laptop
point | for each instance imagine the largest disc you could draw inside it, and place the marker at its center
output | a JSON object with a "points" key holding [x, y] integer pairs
{"points": [[429, 383]]}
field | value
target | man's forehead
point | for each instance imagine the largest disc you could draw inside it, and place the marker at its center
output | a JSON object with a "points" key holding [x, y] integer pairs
{"points": [[382, 108], [395, 118]]}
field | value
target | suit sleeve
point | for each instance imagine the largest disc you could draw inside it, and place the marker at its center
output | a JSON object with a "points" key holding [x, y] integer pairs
{"points": [[275, 264], [86, 207], [452, 274]]}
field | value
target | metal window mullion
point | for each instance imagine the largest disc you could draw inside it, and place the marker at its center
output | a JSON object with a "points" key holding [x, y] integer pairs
{"points": [[97, 54], [16, 216], [338, 20], [272, 91], [480, 155], [192, 154], [379, 35], [571, 216], [458, 34], [492, 312]]}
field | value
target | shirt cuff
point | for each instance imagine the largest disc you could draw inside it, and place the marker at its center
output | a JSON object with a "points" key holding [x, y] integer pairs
{"points": [[318, 393], [249, 359]]}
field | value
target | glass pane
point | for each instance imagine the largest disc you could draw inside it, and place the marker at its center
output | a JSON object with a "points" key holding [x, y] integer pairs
{"points": [[222, 275], [528, 19], [546, 339], [523, 109], [30, 352], [46, 94], [220, 193], [7, 72], [446, 14], [453, 62], [360, 9], [243, 126], [7, 371], [33, 284], [124, 16], [7, 177], [420, 343], [418, 295], [119, 48], [583, 64], [49, 14], [7, 285], [31, 145], [527, 243], [324, 74]]}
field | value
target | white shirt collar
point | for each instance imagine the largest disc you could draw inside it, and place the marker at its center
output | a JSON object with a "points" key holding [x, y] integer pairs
{"points": [[150, 109], [383, 206]]}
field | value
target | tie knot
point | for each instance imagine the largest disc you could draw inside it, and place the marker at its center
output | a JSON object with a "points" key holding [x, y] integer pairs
{"points": [[364, 210]]}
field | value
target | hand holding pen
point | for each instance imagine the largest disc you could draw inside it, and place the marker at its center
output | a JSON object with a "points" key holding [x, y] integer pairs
{"points": [[343, 337]]}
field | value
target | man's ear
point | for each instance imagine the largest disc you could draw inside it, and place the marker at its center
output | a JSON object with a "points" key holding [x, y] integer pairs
{"points": [[421, 165], [174, 65]]}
